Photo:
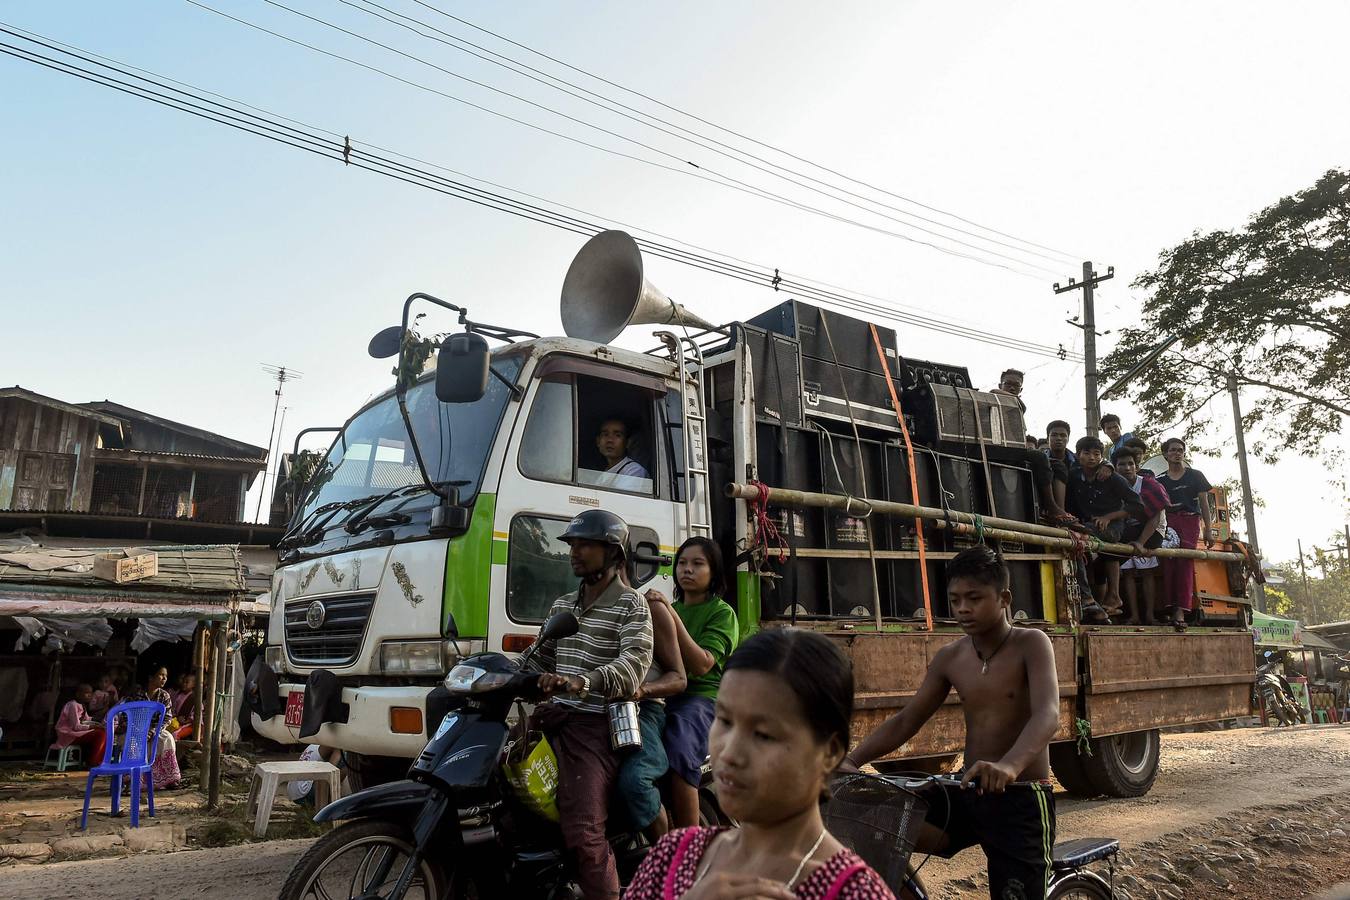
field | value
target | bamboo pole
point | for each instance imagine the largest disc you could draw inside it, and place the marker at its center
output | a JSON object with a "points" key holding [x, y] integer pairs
{"points": [[218, 682], [961, 522]]}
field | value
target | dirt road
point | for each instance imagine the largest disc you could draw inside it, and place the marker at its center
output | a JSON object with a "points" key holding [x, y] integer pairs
{"points": [[1278, 796]]}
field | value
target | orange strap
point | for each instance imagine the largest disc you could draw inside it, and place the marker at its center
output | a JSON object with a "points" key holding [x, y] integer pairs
{"points": [[913, 476]]}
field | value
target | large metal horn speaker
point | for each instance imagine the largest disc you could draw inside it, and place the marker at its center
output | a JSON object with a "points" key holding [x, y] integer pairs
{"points": [[604, 292]]}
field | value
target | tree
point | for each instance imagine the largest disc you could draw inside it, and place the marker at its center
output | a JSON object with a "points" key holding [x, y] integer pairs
{"points": [[1326, 597], [1270, 303]]}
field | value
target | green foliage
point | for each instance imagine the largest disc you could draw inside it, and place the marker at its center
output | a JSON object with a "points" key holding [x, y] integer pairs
{"points": [[1269, 301], [1326, 598], [416, 351]]}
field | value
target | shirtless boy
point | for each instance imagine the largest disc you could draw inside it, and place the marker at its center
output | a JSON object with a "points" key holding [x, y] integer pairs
{"points": [[1009, 693]]}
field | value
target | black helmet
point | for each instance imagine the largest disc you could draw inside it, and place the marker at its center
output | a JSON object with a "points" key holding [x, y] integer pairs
{"points": [[597, 525]]}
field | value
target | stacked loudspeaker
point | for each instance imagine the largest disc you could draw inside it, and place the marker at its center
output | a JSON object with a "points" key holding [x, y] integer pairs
{"points": [[841, 371]]}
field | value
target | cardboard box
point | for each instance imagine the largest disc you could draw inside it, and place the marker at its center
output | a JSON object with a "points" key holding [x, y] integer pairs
{"points": [[120, 568]]}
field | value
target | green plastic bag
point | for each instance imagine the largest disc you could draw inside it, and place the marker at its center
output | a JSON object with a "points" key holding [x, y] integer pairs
{"points": [[535, 779]]}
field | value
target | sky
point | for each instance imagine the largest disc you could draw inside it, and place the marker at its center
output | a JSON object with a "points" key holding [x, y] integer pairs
{"points": [[157, 260]]}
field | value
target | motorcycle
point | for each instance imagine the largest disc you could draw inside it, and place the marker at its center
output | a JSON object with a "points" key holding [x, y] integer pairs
{"points": [[455, 827], [1276, 693]]}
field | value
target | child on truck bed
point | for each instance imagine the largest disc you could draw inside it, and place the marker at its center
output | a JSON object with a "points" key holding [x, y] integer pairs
{"points": [[1009, 693]]}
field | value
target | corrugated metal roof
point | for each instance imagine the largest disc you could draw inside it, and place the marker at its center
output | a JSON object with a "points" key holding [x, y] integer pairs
{"points": [[115, 452], [20, 393], [127, 412]]}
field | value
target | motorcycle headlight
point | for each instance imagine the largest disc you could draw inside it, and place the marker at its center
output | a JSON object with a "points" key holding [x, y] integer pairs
{"points": [[412, 657], [473, 680]]}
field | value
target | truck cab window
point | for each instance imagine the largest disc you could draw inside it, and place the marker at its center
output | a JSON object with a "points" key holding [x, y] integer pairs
{"points": [[538, 569], [591, 431]]}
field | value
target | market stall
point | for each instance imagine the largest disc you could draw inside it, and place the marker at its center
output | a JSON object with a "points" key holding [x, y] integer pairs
{"points": [[75, 612]]}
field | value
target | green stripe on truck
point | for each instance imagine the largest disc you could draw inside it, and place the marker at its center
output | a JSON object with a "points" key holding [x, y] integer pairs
{"points": [[468, 571]]}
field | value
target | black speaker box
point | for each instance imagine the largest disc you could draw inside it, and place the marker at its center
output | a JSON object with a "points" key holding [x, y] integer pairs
{"points": [[852, 337], [776, 363], [826, 385], [914, 372]]}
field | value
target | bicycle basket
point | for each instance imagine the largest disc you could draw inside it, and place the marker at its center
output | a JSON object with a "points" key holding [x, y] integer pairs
{"points": [[879, 821]]}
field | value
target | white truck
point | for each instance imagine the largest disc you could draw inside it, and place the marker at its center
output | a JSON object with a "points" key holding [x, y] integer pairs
{"points": [[429, 530]]}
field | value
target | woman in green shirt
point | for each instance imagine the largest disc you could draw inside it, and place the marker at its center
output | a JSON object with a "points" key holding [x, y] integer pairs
{"points": [[707, 631]]}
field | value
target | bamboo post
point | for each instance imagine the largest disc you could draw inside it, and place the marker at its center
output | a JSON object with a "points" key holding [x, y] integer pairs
{"points": [[199, 664], [963, 522], [218, 686]]}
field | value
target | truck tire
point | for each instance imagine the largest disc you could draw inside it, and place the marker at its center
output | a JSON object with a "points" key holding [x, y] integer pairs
{"points": [[1124, 765], [1069, 770], [370, 771]]}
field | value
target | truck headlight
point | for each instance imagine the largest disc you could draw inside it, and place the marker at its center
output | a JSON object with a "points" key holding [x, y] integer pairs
{"points": [[275, 657], [414, 657]]}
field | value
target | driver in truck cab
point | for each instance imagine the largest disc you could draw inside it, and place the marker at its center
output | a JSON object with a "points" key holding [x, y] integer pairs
{"points": [[605, 660], [621, 470]]}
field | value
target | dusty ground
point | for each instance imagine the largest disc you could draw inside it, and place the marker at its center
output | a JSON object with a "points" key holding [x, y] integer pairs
{"points": [[1260, 808], [1217, 793]]}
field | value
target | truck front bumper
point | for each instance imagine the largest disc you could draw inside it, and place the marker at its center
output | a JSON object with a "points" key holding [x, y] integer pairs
{"points": [[369, 726]]}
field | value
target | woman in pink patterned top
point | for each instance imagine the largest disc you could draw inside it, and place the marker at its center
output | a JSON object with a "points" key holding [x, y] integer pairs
{"points": [[780, 730]]}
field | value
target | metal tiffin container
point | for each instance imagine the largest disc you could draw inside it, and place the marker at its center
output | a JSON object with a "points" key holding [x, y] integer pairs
{"points": [[625, 734]]}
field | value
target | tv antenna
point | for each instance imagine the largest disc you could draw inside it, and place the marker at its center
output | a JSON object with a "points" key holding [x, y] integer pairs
{"points": [[282, 374]]}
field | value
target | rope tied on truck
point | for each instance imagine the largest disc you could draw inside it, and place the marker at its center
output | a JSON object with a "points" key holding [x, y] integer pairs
{"points": [[766, 532]]}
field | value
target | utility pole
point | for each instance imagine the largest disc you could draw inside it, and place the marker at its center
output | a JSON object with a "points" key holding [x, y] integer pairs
{"points": [[1303, 570], [282, 375], [1089, 325], [1248, 507]]}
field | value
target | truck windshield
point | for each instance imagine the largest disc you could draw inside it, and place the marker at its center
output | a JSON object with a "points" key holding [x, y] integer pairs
{"points": [[373, 455]]}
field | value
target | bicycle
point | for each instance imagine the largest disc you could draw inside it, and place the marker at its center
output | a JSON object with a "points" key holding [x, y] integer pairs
{"points": [[878, 817]]}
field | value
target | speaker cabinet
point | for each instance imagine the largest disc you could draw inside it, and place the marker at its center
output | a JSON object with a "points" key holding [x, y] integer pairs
{"points": [[959, 418], [852, 338], [915, 372], [776, 363]]}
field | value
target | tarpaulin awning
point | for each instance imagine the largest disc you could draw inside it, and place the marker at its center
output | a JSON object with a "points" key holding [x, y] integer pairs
{"points": [[1276, 631]]}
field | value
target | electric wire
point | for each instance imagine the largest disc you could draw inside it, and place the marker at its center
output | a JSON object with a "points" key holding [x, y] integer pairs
{"points": [[687, 169], [185, 101], [744, 137], [719, 147]]}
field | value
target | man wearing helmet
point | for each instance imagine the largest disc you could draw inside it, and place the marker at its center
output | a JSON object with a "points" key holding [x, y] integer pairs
{"points": [[605, 660]]}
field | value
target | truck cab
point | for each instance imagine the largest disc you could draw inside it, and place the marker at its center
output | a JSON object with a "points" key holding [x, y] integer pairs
{"points": [[382, 594]]}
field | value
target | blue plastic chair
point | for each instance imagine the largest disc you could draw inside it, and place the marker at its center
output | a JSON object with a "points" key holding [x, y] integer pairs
{"points": [[133, 756]]}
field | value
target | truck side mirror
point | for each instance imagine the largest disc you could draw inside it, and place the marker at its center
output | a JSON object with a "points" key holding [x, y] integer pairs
{"points": [[462, 368]]}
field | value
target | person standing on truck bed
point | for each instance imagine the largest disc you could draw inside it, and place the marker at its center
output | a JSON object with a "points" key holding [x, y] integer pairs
{"points": [[605, 660], [1009, 693], [1186, 487], [1102, 501], [707, 631]]}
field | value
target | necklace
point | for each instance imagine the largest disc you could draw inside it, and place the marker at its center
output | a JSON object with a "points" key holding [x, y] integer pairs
{"points": [[796, 873], [984, 668]]}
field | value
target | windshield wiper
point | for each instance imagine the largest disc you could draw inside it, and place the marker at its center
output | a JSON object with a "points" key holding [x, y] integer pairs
{"points": [[353, 523], [298, 532]]}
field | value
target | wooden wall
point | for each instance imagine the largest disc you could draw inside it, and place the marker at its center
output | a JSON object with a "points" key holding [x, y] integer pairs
{"points": [[46, 457]]}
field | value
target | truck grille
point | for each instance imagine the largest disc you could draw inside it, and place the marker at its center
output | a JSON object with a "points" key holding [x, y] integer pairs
{"points": [[337, 641]]}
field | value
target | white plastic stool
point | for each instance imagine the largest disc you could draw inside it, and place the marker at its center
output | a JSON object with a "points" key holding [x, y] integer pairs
{"points": [[65, 757], [269, 776]]}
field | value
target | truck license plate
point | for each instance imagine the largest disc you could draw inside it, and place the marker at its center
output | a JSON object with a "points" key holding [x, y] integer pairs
{"points": [[295, 708]]}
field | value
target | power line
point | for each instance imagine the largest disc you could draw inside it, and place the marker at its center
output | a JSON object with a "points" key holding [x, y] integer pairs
{"points": [[628, 112], [688, 168], [343, 152], [744, 137]]}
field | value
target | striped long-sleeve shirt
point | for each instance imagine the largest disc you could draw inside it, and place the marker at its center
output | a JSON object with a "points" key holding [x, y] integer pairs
{"points": [[612, 646]]}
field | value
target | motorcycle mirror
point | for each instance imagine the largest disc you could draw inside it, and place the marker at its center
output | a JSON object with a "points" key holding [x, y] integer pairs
{"points": [[558, 626]]}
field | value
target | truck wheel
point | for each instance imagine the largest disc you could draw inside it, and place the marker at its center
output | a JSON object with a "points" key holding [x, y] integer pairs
{"points": [[1069, 770], [1124, 765]]}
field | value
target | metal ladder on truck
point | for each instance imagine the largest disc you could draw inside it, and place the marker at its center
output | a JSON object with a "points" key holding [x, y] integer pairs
{"points": [[694, 425]]}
